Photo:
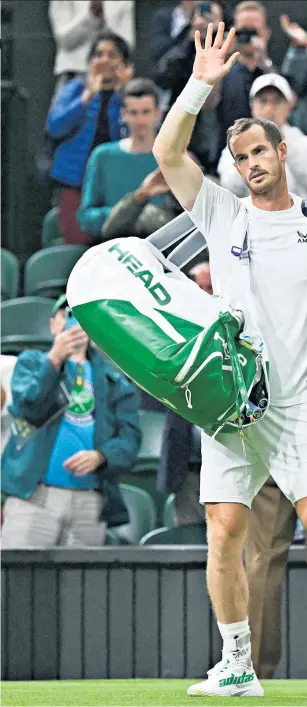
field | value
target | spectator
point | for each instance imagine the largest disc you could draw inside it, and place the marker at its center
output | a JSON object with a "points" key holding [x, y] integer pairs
{"points": [[272, 99], [76, 24], [294, 68], [86, 114], [174, 66], [127, 171], [252, 35], [180, 462], [7, 365], [75, 431]]}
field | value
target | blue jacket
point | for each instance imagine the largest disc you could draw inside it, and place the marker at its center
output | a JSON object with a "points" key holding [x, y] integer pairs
{"points": [[75, 124], [35, 388]]}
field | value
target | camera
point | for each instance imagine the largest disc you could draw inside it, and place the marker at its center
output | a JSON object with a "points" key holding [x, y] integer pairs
{"points": [[204, 8], [244, 36]]}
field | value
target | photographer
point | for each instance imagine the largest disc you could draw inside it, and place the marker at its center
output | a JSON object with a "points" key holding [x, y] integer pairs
{"points": [[174, 67]]}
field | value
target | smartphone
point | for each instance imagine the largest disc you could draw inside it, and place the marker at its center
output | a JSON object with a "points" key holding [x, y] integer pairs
{"points": [[244, 36], [71, 321]]}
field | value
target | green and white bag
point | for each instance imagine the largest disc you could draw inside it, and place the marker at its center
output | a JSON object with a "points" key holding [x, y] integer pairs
{"points": [[175, 341]]}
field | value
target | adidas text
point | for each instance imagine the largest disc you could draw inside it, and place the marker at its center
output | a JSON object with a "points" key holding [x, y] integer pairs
{"points": [[237, 679]]}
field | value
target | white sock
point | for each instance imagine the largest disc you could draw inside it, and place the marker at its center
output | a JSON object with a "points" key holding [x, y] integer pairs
{"points": [[236, 640]]}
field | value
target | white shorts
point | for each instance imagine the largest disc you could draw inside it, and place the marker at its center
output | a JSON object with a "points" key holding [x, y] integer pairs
{"points": [[233, 472]]}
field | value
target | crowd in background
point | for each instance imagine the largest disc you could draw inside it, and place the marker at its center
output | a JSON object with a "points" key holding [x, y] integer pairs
{"points": [[62, 485]]}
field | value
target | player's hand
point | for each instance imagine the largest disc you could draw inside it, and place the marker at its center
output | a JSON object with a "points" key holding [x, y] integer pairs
{"points": [[153, 185], [65, 345], [294, 31], [210, 63], [84, 462]]}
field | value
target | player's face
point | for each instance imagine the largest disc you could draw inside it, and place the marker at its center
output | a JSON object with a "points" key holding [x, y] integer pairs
{"points": [[141, 115], [260, 165]]}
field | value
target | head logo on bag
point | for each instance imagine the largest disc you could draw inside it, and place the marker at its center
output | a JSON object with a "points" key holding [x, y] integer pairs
{"points": [[170, 337], [137, 268]]}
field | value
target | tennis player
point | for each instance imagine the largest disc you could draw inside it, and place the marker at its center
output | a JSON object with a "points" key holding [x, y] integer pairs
{"points": [[276, 231]]}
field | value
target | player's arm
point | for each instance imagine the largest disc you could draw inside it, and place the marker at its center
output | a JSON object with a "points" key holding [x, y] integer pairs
{"points": [[183, 176]]}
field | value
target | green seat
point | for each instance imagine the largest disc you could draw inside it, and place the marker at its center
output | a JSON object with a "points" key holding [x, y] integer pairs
{"points": [[169, 512], [142, 515], [9, 274], [144, 473], [179, 535], [47, 271], [152, 425], [51, 229], [25, 324]]}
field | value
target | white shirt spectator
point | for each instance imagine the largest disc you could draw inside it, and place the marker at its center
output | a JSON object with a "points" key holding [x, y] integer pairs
{"points": [[75, 27]]}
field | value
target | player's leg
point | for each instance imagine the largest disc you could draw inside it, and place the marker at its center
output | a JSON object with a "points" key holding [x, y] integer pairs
{"points": [[231, 475], [226, 578]]}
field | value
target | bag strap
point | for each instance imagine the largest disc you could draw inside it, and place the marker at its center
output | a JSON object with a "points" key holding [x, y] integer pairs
{"points": [[182, 229]]}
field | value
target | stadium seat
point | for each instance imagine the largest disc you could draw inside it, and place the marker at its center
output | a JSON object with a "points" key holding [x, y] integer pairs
{"points": [[144, 473], [142, 514], [51, 230], [152, 426], [9, 274], [179, 535], [25, 324], [169, 511], [47, 271]]}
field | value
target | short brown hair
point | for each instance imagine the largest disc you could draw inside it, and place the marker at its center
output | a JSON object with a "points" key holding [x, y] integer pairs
{"points": [[250, 5], [272, 132]]}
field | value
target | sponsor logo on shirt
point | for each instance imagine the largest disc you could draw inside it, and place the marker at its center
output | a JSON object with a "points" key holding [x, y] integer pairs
{"points": [[301, 237]]}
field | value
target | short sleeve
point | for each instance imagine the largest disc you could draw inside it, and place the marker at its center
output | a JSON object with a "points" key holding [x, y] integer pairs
{"points": [[214, 211]]}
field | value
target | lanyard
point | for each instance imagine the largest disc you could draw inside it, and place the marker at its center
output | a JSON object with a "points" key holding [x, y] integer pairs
{"points": [[79, 379]]}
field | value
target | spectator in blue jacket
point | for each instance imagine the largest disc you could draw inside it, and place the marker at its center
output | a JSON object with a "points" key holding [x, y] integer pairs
{"points": [[87, 113], [75, 429]]}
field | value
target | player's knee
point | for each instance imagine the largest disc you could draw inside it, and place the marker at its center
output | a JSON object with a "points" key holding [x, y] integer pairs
{"points": [[301, 509], [227, 525]]}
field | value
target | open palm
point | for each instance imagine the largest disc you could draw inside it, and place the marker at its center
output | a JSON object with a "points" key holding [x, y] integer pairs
{"points": [[211, 63]]}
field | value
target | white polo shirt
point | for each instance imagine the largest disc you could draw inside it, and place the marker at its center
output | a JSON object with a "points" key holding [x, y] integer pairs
{"points": [[278, 279]]}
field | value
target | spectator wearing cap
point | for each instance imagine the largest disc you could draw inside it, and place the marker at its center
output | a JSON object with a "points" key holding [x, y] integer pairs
{"points": [[271, 98], [75, 429], [85, 114]]}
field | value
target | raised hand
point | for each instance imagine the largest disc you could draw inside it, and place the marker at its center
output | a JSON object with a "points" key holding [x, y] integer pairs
{"points": [[294, 31], [211, 63]]}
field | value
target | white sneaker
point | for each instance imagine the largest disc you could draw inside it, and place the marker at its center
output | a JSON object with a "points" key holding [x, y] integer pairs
{"points": [[230, 679]]}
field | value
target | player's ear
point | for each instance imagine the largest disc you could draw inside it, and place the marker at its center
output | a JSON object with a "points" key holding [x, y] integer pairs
{"points": [[282, 150], [237, 168]]}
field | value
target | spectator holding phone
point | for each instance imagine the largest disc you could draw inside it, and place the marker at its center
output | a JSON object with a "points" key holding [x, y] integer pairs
{"points": [[87, 113], [75, 430]]}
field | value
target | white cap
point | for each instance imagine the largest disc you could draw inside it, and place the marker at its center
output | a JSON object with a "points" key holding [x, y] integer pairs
{"points": [[275, 81]]}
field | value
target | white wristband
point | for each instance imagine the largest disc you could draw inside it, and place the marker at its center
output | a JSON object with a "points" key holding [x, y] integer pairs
{"points": [[193, 96]]}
